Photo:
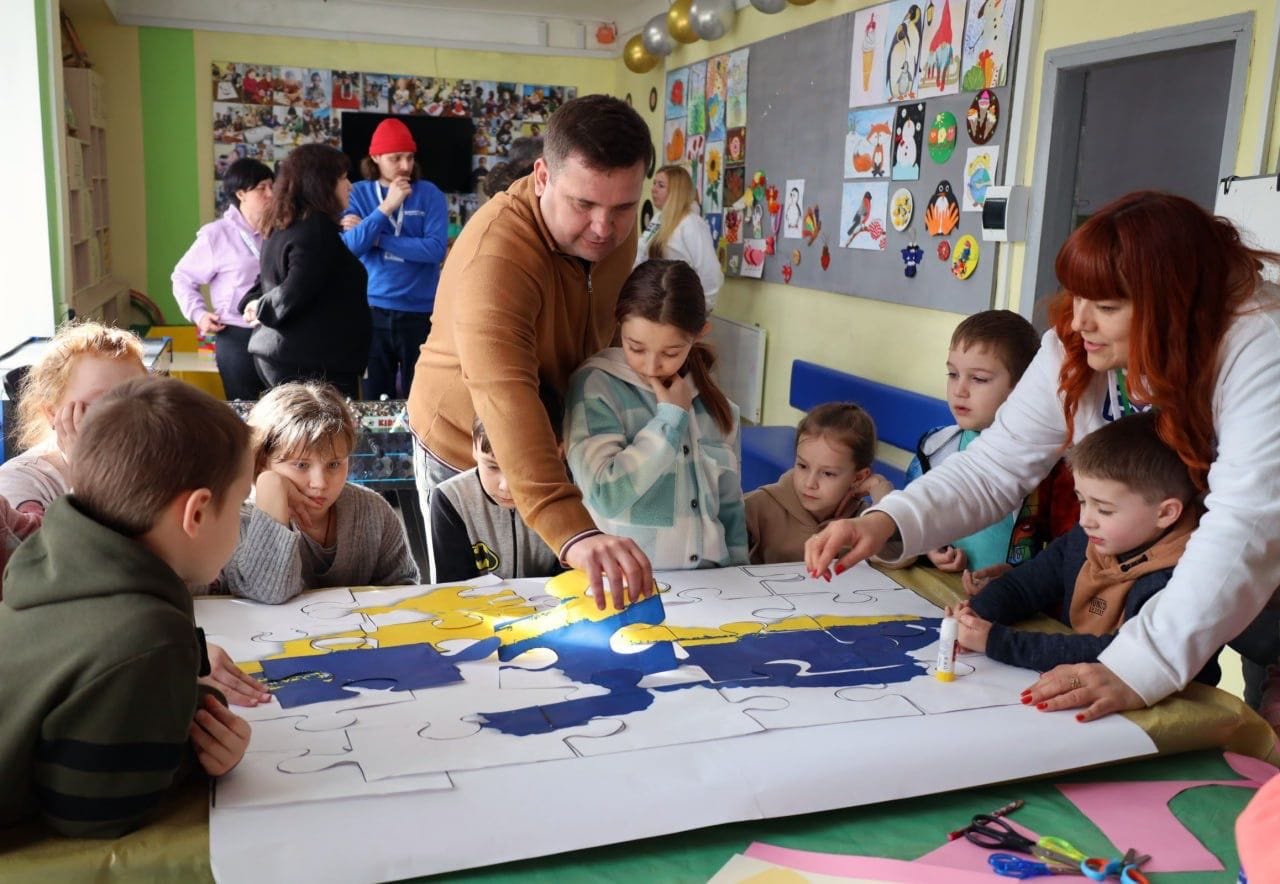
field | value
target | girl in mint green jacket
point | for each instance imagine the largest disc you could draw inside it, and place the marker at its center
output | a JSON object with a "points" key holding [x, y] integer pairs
{"points": [[652, 441]]}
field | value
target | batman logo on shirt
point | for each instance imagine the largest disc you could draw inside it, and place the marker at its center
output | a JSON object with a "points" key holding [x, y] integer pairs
{"points": [[486, 559]]}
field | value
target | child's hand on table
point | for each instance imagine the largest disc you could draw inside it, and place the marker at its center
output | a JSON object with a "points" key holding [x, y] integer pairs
{"points": [[240, 688], [220, 737], [950, 559], [976, 581]]}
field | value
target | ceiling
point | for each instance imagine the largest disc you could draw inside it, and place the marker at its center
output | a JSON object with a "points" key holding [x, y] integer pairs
{"points": [[558, 27]]}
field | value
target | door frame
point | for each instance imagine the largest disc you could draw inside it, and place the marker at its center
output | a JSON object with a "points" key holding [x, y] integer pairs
{"points": [[1061, 115]]}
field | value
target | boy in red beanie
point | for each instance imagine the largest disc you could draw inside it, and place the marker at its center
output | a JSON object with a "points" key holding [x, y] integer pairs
{"points": [[397, 225]]}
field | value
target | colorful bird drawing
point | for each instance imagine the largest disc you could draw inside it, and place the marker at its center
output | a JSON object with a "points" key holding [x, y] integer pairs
{"points": [[904, 55]]}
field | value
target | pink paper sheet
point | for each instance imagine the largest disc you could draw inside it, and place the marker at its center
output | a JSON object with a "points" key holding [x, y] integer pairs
{"points": [[1138, 815], [872, 867]]}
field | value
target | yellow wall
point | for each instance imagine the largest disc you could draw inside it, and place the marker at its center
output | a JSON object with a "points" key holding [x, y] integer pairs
{"points": [[589, 75]]}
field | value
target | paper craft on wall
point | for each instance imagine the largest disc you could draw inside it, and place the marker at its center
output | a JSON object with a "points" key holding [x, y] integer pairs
{"points": [[736, 105], [988, 34], [753, 258], [943, 212], [979, 174], [942, 136], [902, 52], [862, 215], [908, 138], [901, 209], [868, 146], [942, 48], [735, 184], [717, 93], [964, 257], [677, 84], [673, 141], [696, 98], [983, 116], [793, 210], [866, 82]]}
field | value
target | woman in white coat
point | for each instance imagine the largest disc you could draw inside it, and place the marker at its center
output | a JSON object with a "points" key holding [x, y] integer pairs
{"points": [[679, 233], [1162, 307]]}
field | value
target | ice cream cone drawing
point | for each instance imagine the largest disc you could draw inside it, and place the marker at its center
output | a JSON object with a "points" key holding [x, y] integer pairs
{"points": [[868, 53]]}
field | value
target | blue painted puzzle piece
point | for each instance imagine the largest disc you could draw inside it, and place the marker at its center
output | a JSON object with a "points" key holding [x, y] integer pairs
{"points": [[298, 681]]}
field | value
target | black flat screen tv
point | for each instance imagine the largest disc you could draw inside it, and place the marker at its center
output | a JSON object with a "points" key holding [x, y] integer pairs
{"points": [[444, 146]]}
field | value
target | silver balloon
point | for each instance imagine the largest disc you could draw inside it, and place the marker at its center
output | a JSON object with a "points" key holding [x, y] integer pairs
{"points": [[712, 19], [656, 38], [769, 7]]}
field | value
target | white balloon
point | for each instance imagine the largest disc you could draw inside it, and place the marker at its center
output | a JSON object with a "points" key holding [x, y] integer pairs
{"points": [[656, 38], [769, 7], [712, 19]]}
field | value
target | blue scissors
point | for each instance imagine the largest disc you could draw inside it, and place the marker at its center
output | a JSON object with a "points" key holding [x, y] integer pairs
{"points": [[994, 833], [1127, 868], [1010, 866]]}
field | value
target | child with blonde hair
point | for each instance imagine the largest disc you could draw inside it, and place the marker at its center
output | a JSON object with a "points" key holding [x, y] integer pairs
{"points": [[831, 479], [82, 362], [653, 442], [309, 527]]}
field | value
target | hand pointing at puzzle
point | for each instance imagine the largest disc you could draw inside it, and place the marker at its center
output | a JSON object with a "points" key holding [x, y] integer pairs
{"points": [[846, 542]]}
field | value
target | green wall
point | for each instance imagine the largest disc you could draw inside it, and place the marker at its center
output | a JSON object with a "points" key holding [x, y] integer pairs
{"points": [[168, 75]]}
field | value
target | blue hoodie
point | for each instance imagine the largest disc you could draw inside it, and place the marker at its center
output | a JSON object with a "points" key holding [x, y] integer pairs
{"points": [[404, 268]]}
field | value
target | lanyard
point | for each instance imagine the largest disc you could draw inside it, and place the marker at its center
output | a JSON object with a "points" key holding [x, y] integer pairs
{"points": [[1120, 393], [249, 243], [398, 221]]}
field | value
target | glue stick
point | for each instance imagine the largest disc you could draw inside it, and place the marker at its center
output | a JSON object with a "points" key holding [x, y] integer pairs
{"points": [[946, 670]]}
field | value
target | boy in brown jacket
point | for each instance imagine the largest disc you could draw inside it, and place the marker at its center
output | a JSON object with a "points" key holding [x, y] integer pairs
{"points": [[835, 447]]}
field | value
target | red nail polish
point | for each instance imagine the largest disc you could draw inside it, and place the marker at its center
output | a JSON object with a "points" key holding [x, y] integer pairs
{"points": [[840, 569], [1080, 716], [1026, 698], [1042, 706]]}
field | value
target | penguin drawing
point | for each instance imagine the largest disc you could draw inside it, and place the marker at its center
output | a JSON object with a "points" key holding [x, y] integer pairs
{"points": [[904, 54]]}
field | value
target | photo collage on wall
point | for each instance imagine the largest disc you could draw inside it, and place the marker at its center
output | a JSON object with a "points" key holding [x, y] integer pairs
{"points": [[706, 131], [904, 54], [264, 111]]}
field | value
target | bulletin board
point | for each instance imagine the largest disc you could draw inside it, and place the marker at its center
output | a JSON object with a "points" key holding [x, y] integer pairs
{"points": [[812, 119]]}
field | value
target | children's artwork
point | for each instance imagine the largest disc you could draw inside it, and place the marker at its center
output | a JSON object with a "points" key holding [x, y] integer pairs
{"points": [[964, 257], [983, 116], [908, 139], [374, 92], [941, 49], [736, 103], [732, 221], [677, 87], [943, 212], [793, 210], [942, 136], [988, 34], [526, 685], [716, 92], [753, 255], [673, 141], [868, 146], [862, 215], [735, 184], [866, 82], [696, 98], [713, 178], [902, 51], [901, 209], [979, 174], [812, 226], [736, 146]]}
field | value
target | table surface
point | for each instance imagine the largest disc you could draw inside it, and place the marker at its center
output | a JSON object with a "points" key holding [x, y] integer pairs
{"points": [[176, 846]]}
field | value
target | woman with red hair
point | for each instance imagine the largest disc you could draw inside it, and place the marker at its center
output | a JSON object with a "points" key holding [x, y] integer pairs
{"points": [[1162, 307]]}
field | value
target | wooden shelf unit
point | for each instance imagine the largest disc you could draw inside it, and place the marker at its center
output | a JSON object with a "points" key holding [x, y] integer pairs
{"points": [[91, 291]]}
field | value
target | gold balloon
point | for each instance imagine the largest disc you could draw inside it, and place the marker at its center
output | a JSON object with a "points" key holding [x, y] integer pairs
{"points": [[637, 58], [680, 21]]}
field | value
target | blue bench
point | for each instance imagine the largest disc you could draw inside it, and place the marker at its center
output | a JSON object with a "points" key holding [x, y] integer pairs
{"points": [[901, 417]]}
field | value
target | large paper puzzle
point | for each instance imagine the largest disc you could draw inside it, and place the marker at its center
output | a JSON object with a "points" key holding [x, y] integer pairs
{"points": [[389, 690]]}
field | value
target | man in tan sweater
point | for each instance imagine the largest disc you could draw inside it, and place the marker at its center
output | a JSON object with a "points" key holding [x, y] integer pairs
{"points": [[526, 295]]}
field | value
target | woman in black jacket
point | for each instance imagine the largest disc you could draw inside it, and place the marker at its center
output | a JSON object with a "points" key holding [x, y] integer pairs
{"points": [[311, 308]]}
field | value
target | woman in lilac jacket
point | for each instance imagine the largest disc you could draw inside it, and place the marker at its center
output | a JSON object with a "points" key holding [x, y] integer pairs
{"points": [[225, 258]]}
